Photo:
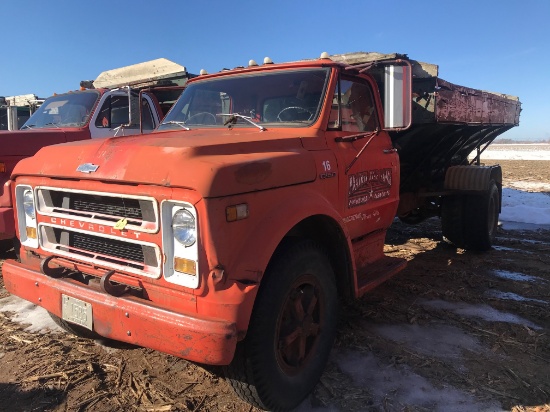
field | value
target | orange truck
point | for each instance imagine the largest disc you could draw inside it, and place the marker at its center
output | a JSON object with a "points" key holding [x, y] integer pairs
{"points": [[228, 235]]}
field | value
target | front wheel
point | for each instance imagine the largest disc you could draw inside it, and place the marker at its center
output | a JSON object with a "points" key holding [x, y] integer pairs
{"points": [[291, 330]]}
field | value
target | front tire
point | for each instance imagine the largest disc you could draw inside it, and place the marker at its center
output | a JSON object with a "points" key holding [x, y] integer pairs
{"points": [[291, 330]]}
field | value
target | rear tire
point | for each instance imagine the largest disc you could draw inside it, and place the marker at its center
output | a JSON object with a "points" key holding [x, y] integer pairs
{"points": [[452, 220], [470, 221], [481, 214], [74, 329], [291, 331]]}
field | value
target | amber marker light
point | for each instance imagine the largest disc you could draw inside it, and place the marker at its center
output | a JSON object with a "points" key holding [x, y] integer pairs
{"points": [[185, 266], [236, 212], [2, 167], [31, 232]]}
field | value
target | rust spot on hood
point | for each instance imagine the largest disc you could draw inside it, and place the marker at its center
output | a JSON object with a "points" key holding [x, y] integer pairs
{"points": [[252, 173]]}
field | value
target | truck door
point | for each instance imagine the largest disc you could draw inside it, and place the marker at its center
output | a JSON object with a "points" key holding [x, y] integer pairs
{"points": [[119, 115], [367, 163]]}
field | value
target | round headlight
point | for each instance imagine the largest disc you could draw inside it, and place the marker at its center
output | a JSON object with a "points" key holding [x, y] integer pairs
{"points": [[28, 204], [185, 230]]}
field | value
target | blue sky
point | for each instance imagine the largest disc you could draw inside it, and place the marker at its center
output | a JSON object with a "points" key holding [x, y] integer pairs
{"points": [[496, 45]]}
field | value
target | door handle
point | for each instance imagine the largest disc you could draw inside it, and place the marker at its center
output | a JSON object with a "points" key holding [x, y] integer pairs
{"points": [[389, 151]]}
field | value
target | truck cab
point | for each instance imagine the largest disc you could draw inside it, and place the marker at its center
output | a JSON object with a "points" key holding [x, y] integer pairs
{"points": [[16, 110], [96, 112]]}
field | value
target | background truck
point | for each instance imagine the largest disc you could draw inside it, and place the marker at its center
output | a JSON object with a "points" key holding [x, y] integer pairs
{"points": [[228, 235], [16, 110], [126, 101]]}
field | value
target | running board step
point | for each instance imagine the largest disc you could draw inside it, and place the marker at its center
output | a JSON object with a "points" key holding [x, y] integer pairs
{"points": [[378, 272]]}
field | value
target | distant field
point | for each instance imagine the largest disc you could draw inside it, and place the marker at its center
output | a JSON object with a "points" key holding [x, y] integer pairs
{"points": [[518, 151]]}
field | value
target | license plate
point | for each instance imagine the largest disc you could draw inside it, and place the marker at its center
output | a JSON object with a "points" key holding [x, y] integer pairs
{"points": [[77, 311]]}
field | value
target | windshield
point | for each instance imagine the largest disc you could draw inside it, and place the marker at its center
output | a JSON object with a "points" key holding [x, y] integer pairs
{"points": [[65, 110], [282, 99]]}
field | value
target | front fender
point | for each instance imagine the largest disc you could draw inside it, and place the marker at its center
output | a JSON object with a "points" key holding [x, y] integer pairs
{"points": [[276, 222]]}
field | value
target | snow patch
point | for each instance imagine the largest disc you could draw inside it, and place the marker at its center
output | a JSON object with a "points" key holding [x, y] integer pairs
{"points": [[525, 207], [504, 274], [484, 312], [498, 294], [27, 313], [402, 385], [441, 341]]}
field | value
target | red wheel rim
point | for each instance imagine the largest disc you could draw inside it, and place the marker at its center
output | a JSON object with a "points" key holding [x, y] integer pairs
{"points": [[299, 324]]}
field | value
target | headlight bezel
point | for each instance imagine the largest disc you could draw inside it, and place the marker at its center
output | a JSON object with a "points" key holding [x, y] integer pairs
{"points": [[27, 225], [181, 263]]}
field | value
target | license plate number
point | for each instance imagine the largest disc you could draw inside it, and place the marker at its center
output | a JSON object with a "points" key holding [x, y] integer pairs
{"points": [[77, 311]]}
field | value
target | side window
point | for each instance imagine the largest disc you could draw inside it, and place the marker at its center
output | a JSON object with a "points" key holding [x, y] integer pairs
{"points": [[147, 121], [104, 114], [357, 112], [113, 112]]}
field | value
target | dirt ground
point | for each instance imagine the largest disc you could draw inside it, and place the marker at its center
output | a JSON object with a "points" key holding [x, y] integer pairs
{"points": [[421, 324]]}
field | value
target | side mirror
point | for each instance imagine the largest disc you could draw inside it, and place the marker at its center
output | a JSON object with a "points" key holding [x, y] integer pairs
{"points": [[397, 96]]}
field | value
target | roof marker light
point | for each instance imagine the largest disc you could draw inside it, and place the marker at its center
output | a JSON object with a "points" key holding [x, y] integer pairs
{"points": [[203, 72], [268, 60], [252, 63], [324, 55]]}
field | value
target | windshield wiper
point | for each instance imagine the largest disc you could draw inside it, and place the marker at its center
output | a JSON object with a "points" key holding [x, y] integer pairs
{"points": [[30, 126], [235, 116], [354, 137], [181, 124]]}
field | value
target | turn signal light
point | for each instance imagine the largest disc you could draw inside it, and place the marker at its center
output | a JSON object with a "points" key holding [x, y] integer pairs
{"points": [[186, 266], [31, 233], [236, 212]]}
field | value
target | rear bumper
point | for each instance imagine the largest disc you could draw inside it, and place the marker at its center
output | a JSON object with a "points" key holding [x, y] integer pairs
{"points": [[130, 319], [7, 223]]}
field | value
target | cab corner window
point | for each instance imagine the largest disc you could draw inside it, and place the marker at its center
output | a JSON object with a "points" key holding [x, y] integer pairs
{"points": [[147, 122]]}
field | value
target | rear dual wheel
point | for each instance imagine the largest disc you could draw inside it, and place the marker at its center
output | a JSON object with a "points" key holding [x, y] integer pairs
{"points": [[471, 221], [291, 331]]}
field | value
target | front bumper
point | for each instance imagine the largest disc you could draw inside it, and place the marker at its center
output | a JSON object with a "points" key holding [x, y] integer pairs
{"points": [[7, 223], [130, 319]]}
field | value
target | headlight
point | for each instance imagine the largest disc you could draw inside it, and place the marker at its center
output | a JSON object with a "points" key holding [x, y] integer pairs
{"points": [[184, 227], [28, 204]]}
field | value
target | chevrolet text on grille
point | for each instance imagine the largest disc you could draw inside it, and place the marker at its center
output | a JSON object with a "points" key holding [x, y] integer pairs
{"points": [[95, 227]]}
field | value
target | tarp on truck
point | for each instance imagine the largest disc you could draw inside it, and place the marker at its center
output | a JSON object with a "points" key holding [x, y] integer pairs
{"points": [[151, 73]]}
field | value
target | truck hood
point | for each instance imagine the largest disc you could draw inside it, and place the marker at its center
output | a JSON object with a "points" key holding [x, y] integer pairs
{"points": [[27, 142], [213, 162]]}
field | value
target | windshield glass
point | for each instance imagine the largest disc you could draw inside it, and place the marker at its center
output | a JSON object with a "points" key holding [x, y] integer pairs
{"points": [[65, 110], [283, 99]]}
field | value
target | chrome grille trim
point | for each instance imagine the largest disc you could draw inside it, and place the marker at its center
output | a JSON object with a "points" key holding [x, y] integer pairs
{"points": [[141, 212], [133, 256]]}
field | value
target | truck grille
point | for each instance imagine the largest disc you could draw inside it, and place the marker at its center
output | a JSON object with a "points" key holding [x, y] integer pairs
{"points": [[106, 247], [106, 206], [140, 212], [79, 225]]}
